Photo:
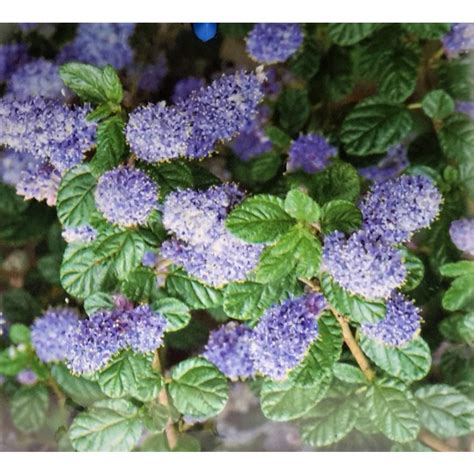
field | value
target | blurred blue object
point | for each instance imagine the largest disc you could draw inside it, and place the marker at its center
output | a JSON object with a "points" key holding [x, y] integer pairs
{"points": [[205, 31]]}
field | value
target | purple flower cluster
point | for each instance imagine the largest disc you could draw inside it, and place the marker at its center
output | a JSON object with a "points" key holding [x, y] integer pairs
{"points": [[228, 348], [364, 263], [194, 126], [46, 129], [462, 235], [11, 56], [390, 166], [12, 164], [93, 342], [203, 246], [36, 78], [460, 38], [26, 377], [184, 87], [252, 140], [284, 333], [311, 153], [397, 208], [39, 181], [400, 325], [100, 44], [49, 333], [83, 234], [270, 43], [466, 108], [152, 75], [126, 196]]}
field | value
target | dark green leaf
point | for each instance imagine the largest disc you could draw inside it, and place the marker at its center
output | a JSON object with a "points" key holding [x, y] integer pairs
{"points": [[456, 137], [28, 408], [293, 109], [340, 215], [346, 34], [98, 301], [427, 30]]}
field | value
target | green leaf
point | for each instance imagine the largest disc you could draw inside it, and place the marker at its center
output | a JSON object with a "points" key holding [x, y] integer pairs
{"points": [[278, 137], [459, 328], [80, 390], [306, 63], [197, 388], [349, 373], [352, 306], [297, 251], [111, 145], [260, 218], [98, 301], [346, 34], [49, 267], [195, 294], [92, 83], [339, 181], [139, 285], [19, 334], [175, 311], [108, 425], [300, 206], [322, 354], [172, 176], [409, 363], [329, 422], [457, 269], [13, 361], [123, 248], [293, 110], [393, 410], [460, 294], [438, 104], [29, 406], [445, 411], [397, 70], [130, 375], [373, 127], [415, 271], [340, 215], [283, 401], [456, 137], [82, 273], [10, 203], [75, 203], [427, 30], [264, 167]]}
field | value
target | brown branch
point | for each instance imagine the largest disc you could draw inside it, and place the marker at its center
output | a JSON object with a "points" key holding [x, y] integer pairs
{"points": [[435, 443], [170, 430]]}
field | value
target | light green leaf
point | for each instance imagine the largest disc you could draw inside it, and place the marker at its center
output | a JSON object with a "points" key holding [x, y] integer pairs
{"points": [[445, 411], [19, 334], [373, 127], [438, 104], [459, 328], [300, 206], [197, 388], [260, 218], [460, 294], [415, 271], [108, 425], [75, 202], [462, 268], [175, 311], [139, 285], [98, 301], [29, 406], [409, 363], [349, 373], [393, 410]]}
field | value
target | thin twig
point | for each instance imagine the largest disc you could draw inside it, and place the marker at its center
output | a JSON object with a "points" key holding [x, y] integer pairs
{"points": [[170, 430]]}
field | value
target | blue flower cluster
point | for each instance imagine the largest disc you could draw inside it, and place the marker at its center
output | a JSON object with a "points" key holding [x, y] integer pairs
{"points": [[284, 333], [83, 234], [26, 377], [228, 348], [311, 153], [184, 87], [400, 325], [270, 43], [12, 165], [390, 166], [47, 129], [94, 341], [126, 196], [460, 38], [39, 181], [466, 108], [203, 246], [152, 75], [462, 234], [397, 208], [38, 78], [194, 126], [364, 263], [100, 44], [11, 57], [49, 333]]}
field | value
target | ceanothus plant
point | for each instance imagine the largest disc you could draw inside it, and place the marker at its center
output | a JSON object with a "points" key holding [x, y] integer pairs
{"points": [[173, 227]]}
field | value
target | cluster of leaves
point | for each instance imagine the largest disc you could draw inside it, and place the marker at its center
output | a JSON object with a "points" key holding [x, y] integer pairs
{"points": [[368, 87]]}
